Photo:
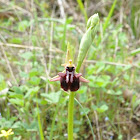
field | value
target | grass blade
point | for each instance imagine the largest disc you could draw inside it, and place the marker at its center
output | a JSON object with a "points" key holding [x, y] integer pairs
{"points": [[64, 36], [87, 118], [107, 20], [82, 9]]}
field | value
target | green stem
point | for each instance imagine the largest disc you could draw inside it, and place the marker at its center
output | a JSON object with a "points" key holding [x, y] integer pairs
{"points": [[39, 122], [70, 116]]}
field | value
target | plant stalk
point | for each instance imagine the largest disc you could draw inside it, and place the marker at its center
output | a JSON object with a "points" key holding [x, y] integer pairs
{"points": [[39, 122], [70, 116]]}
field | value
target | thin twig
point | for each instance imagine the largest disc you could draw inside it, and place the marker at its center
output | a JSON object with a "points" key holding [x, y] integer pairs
{"points": [[50, 48], [20, 46], [47, 74], [15, 7], [112, 63], [7, 61], [127, 122], [97, 125], [136, 136], [62, 13], [11, 30], [51, 38], [30, 47], [8, 64]]}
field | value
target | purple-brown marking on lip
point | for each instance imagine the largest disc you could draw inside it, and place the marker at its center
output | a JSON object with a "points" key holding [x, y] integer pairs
{"points": [[69, 80]]}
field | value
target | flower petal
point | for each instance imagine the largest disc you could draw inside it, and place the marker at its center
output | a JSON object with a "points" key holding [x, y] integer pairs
{"points": [[56, 78], [9, 131], [3, 131], [82, 79], [78, 75], [1, 135], [61, 74]]}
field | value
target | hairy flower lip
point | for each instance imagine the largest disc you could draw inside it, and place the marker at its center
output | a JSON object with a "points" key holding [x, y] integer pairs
{"points": [[69, 80]]}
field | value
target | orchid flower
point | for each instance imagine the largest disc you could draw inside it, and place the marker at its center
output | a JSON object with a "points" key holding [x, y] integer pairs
{"points": [[69, 80]]}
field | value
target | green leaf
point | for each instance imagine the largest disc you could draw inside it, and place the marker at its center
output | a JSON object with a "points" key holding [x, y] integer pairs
{"points": [[101, 81], [101, 66], [40, 101], [83, 89], [23, 25], [24, 74], [34, 80], [91, 70], [83, 97], [112, 92], [134, 52], [17, 101], [17, 90], [6, 124], [86, 111], [33, 72], [94, 107], [33, 126], [53, 97], [27, 55], [31, 92], [136, 103], [17, 124], [3, 84], [16, 40], [16, 95], [120, 137], [133, 99], [102, 109], [1, 78], [17, 138]]}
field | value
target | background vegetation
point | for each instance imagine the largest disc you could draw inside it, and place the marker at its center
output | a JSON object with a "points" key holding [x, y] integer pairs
{"points": [[33, 38]]}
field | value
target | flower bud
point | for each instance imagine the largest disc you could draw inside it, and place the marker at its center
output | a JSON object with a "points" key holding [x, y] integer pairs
{"points": [[87, 39]]}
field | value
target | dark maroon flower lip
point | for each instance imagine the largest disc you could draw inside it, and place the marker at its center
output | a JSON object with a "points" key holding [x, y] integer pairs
{"points": [[69, 80]]}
